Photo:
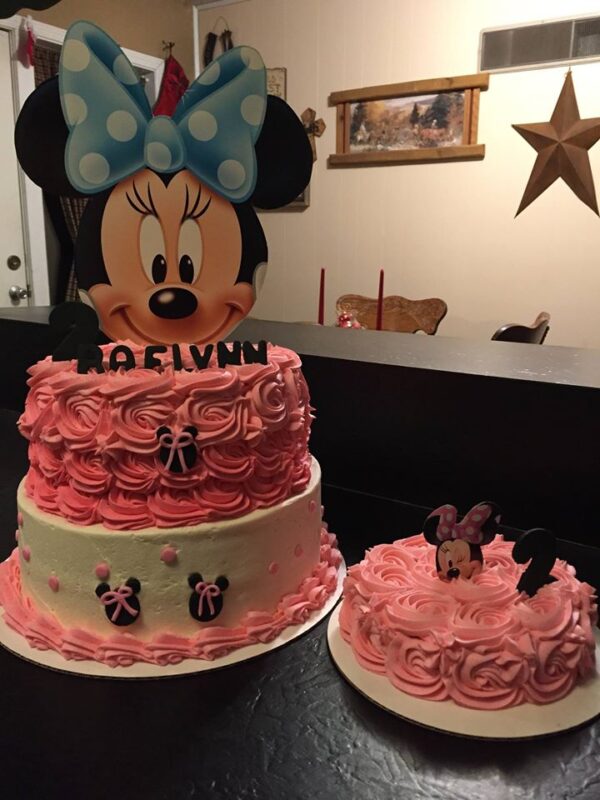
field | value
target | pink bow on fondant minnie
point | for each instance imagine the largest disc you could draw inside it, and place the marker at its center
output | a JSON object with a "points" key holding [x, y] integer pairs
{"points": [[469, 528]]}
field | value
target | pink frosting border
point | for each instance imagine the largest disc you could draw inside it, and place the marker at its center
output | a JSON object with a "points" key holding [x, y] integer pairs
{"points": [[94, 453], [45, 632], [477, 642]]}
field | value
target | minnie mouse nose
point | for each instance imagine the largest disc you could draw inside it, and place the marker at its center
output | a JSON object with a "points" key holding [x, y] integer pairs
{"points": [[454, 572], [173, 303]]}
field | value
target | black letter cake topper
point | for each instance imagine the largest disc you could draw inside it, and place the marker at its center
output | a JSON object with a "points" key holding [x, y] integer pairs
{"points": [[539, 545], [459, 544], [169, 245]]}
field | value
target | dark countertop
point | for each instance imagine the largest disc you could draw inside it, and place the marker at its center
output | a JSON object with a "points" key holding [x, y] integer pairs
{"points": [[544, 364], [284, 726]]}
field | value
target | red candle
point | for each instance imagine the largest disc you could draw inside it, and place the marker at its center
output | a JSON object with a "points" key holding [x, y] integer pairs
{"points": [[379, 323], [321, 318]]}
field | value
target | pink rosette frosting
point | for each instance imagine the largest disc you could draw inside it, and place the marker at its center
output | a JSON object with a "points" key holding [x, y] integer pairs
{"points": [[477, 642], [88, 472], [44, 632], [95, 454], [78, 507], [122, 510]]}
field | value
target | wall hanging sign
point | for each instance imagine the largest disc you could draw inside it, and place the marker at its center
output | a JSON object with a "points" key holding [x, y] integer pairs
{"points": [[429, 120], [561, 147], [277, 82]]}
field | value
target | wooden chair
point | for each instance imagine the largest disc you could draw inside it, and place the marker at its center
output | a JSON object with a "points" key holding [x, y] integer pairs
{"points": [[399, 313], [526, 334]]}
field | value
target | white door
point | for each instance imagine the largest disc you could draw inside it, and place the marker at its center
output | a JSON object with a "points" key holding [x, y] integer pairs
{"points": [[12, 252]]}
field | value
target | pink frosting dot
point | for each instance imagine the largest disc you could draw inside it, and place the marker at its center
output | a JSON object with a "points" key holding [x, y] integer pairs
{"points": [[273, 567], [27, 552], [168, 555], [102, 571], [19, 519], [53, 583], [298, 550], [17, 535], [312, 506]]}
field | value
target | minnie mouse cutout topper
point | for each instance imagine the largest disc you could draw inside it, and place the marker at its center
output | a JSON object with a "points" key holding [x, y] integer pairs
{"points": [[169, 246], [459, 544]]}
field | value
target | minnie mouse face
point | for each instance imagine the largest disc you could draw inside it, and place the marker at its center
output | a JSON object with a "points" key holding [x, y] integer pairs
{"points": [[458, 553], [456, 559], [184, 248], [169, 243]]}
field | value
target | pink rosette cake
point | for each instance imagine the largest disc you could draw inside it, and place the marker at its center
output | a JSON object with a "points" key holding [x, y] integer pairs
{"points": [[168, 512], [93, 445], [478, 642]]}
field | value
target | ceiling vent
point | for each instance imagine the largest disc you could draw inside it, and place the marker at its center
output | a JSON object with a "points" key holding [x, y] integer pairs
{"points": [[540, 44]]}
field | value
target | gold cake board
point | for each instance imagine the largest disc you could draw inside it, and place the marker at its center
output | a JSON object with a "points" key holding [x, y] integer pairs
{"points": [[521, 722], [50, 659]]}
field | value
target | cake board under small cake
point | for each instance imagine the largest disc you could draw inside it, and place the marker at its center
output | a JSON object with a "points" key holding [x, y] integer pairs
{"points": [[50, 659], [525, 721]]}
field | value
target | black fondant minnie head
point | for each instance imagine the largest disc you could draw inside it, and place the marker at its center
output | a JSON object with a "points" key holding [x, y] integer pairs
{"points": [[169, 243], [459, 544], [121, 604], [206, 601], [178, 451]]}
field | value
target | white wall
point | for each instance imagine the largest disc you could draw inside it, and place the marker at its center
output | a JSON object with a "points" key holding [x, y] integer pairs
{"points": [[444, 230]]}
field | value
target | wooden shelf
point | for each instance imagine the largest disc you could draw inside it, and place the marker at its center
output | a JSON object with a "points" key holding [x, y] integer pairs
{"points": [[479, 80], [463, 152]]}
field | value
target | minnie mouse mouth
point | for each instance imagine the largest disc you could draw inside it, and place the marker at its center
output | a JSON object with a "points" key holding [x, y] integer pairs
{"points": [[143, 337], [212, 337]]}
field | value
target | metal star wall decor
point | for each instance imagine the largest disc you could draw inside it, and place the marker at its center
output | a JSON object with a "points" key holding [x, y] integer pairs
{"points": [[562, 146]]}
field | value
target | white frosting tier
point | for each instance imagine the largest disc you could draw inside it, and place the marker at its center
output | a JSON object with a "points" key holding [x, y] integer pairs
{"points": [[264, 555]]}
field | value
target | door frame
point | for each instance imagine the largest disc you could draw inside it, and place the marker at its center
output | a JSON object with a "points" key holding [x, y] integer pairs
{"points": [[32, 201]]}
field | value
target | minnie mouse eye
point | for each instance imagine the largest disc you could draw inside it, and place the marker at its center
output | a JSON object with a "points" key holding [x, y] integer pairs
{"points": [[159, 268], [186, 269], [152, 249], [190, 251]]}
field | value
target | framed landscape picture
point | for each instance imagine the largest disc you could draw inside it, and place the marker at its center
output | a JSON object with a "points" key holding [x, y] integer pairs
{"points": [[431, 120]]}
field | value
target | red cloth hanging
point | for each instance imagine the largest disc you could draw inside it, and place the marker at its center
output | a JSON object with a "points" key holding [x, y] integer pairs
{"points": [[172, 89], [30, 43]]}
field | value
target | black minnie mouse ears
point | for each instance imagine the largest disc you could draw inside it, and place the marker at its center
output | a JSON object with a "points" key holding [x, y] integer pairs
{"points": [[40, 139], [284, 157]]}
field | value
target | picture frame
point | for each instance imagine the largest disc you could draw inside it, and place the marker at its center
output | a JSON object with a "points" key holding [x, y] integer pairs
{"points": [[412, 122]]}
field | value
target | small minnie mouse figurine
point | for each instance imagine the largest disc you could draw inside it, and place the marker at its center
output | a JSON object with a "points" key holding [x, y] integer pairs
{"points": [[169, 245], [459, 544]]}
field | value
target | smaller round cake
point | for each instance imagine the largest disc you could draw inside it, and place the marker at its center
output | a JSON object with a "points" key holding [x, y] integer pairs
{"points": [[478, 641]]}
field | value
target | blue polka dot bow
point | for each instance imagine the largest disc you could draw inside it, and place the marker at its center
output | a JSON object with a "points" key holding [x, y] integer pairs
{"points": [[113, 134]]}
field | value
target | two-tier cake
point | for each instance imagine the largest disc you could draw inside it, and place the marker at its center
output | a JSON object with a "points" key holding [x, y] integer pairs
{"points": [[167, 513]]}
